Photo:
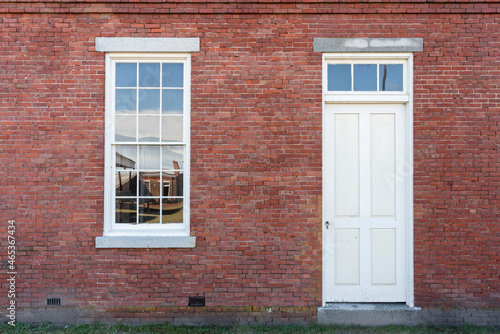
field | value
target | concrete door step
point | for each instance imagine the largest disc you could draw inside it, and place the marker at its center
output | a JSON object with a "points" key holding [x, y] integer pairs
{"points": [[365, 314]]}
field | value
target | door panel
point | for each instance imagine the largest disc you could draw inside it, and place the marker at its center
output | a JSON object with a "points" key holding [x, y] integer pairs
{"points": [[346, 165], [364, 203], [383, 256], [383, 189], [347, 256]]}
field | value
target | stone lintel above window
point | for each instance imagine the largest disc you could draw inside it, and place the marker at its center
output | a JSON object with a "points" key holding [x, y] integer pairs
{"points": [[147, 44], [368, 44]]}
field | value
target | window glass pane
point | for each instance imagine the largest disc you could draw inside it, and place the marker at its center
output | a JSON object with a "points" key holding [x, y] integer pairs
{"points": [[172, 75], [126, 183], [365, 77], [126, 210], [339, 77], [149, 128], [149, 157], [167, 186], [126, 157], [172, 101], [125, 101], [391, 77], [172, 210], [149, 101], [125, 128], [149, 75], [149, 184], [126, 75], [172, 157], [171, 128], [175, 182], [149, 211]]}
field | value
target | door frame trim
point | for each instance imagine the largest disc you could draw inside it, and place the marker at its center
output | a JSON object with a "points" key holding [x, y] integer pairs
{"points": [[405, 98]]}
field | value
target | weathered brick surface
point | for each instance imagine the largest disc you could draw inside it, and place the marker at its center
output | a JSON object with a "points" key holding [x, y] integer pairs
{"points": [[256, 151]]}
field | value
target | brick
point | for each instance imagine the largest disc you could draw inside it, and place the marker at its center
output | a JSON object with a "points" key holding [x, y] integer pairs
{"points": [[256, 155]]}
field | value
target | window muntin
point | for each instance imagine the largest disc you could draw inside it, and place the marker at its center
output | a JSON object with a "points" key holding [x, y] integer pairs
{"points": [[365, 77], [149, 143]]}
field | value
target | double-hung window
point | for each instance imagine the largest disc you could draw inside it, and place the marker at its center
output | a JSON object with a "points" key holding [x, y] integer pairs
{"points": [[147, 150]]}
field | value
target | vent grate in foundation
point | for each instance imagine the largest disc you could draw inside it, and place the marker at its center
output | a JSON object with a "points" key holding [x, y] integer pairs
{"points": [[196, 301], [53, 301]]}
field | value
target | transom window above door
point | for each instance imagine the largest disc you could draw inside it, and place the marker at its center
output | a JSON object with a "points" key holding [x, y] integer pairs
{"points": [[365, 77]]}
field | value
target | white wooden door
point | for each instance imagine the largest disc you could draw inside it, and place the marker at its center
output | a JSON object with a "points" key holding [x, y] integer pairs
{"points": [[364, 203]]}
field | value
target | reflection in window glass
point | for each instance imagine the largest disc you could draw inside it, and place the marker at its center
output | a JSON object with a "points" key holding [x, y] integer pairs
{"points": [[166, 189], [149, 184], [126, 210], [149, 157], [125, 128], [149, 101], [391, 77], [365, 77], [339, 77], [126, 183], [149, 211], [171, 128], [149, 75], [172, 157], [125, 101], [175, 180], [172, 210], [172, 101], [126, 157], [149, 129], [126, 75], [172, 75]]}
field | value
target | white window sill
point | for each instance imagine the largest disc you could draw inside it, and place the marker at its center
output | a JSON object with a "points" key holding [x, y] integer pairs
{"points": [[145, 242]]}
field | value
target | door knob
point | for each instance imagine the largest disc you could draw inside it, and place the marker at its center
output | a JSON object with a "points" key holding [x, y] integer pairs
{"points": [[327, 224]]}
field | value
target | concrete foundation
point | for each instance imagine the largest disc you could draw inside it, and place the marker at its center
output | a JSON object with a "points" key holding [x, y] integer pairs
{"points": [[332, 314], [401, 314]]}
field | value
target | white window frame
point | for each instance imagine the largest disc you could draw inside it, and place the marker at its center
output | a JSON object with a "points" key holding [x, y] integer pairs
{"points": [[110, 227], [145, 50]]}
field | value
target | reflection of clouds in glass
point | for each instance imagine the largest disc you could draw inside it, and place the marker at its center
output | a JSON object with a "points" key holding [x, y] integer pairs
{"points": [[171, 128], [125, 101], [149, 157], [172, 101], [149, 75], [125, 128], [171, 154], [149, 128], [149, 101]]}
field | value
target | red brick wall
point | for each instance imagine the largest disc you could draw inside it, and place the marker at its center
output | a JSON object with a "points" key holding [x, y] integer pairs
{"points": [[256, 152]]}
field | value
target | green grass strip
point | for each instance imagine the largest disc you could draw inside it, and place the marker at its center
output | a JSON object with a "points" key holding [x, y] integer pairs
{"points": [[99, 328]]}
